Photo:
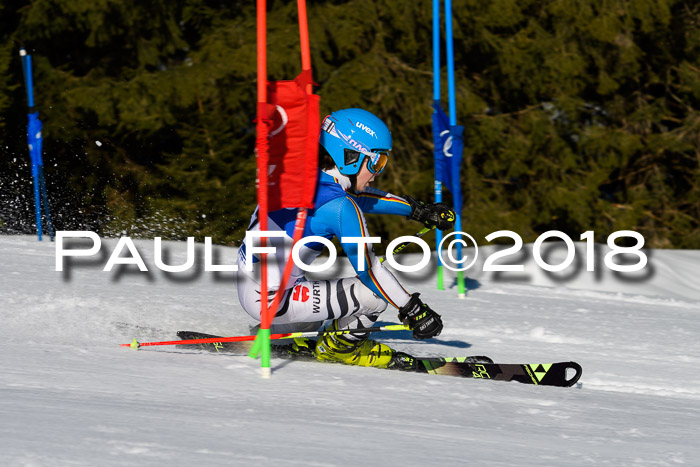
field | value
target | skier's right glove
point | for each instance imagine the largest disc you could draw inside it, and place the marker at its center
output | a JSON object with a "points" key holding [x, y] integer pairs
{"points": [[431, 215], [423, 321]]}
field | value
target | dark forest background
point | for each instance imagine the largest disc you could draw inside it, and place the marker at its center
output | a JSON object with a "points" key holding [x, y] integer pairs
{"points": [[579, 115]]}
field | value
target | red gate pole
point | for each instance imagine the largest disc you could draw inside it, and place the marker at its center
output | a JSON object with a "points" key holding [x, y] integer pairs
{"points": [[262, 146], [301, 216], [261, 346], [304, 40]]}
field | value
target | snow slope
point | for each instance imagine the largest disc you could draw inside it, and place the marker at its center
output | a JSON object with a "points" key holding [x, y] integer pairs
{"points": [[70, 396]]}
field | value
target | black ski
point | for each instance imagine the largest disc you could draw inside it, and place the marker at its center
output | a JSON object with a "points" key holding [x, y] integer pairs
{"points": [[284, 349], [563, 374]]}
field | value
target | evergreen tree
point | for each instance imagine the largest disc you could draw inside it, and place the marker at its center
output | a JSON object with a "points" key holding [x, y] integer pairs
{"points": [[578, 115]]}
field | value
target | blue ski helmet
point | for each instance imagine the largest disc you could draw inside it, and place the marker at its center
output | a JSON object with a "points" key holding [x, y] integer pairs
{"points": [[352, 135]]}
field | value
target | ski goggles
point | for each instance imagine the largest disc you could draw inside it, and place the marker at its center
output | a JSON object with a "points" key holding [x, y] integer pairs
{"points": [[376, 160]]}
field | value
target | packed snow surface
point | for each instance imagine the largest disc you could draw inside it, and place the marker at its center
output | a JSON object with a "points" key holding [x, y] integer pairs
{"points": [[69, 395]]}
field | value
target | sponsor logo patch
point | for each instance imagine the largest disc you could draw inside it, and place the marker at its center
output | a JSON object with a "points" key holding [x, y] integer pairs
{"points": [[301, 294], [316, 296]]}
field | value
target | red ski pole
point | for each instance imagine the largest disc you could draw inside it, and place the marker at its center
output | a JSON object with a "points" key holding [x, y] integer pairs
{"points": [[289, 335]]}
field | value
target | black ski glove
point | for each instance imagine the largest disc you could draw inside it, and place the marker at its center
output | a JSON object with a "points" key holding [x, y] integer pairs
{"points": [[423, 321], [435, 214]]}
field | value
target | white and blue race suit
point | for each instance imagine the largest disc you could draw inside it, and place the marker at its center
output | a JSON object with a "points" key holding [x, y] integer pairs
{"points": [[355, 302]]}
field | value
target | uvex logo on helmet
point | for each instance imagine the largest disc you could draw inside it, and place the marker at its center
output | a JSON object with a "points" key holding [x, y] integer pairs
{"points": [[367, 129]]}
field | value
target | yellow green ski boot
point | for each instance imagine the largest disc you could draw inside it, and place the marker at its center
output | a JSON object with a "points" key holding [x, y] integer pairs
{"points": [[336, 348]]}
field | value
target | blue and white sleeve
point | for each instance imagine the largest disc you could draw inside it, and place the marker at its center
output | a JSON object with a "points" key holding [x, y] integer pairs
{"points": [[374, 201]]}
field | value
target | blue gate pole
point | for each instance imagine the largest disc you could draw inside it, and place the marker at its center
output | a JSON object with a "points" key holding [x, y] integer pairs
{"points": [[34, 141], [27, 69], [436, 100], [453, 121]]}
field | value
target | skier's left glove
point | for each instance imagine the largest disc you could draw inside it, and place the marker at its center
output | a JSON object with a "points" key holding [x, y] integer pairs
{"points": [[423, 321], [431, 215]]}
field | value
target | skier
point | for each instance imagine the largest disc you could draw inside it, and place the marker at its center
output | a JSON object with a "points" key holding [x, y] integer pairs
{"points": [[354, 150]]}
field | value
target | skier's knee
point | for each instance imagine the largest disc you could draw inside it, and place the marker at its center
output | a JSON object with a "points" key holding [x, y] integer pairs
{"points": [[370, 303]]}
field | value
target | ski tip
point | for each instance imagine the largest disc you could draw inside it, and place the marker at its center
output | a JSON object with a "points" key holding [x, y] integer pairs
{"points": [[578, 371], [265, 372], [462, 296], [135, 344]]}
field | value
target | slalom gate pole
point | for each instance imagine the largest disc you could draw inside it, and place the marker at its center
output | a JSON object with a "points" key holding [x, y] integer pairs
{"points": [[261, 347], [304, 41], [27, 70], [300, 222], [262, 145], [436, 99], [453, 122], [290, 335]]}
